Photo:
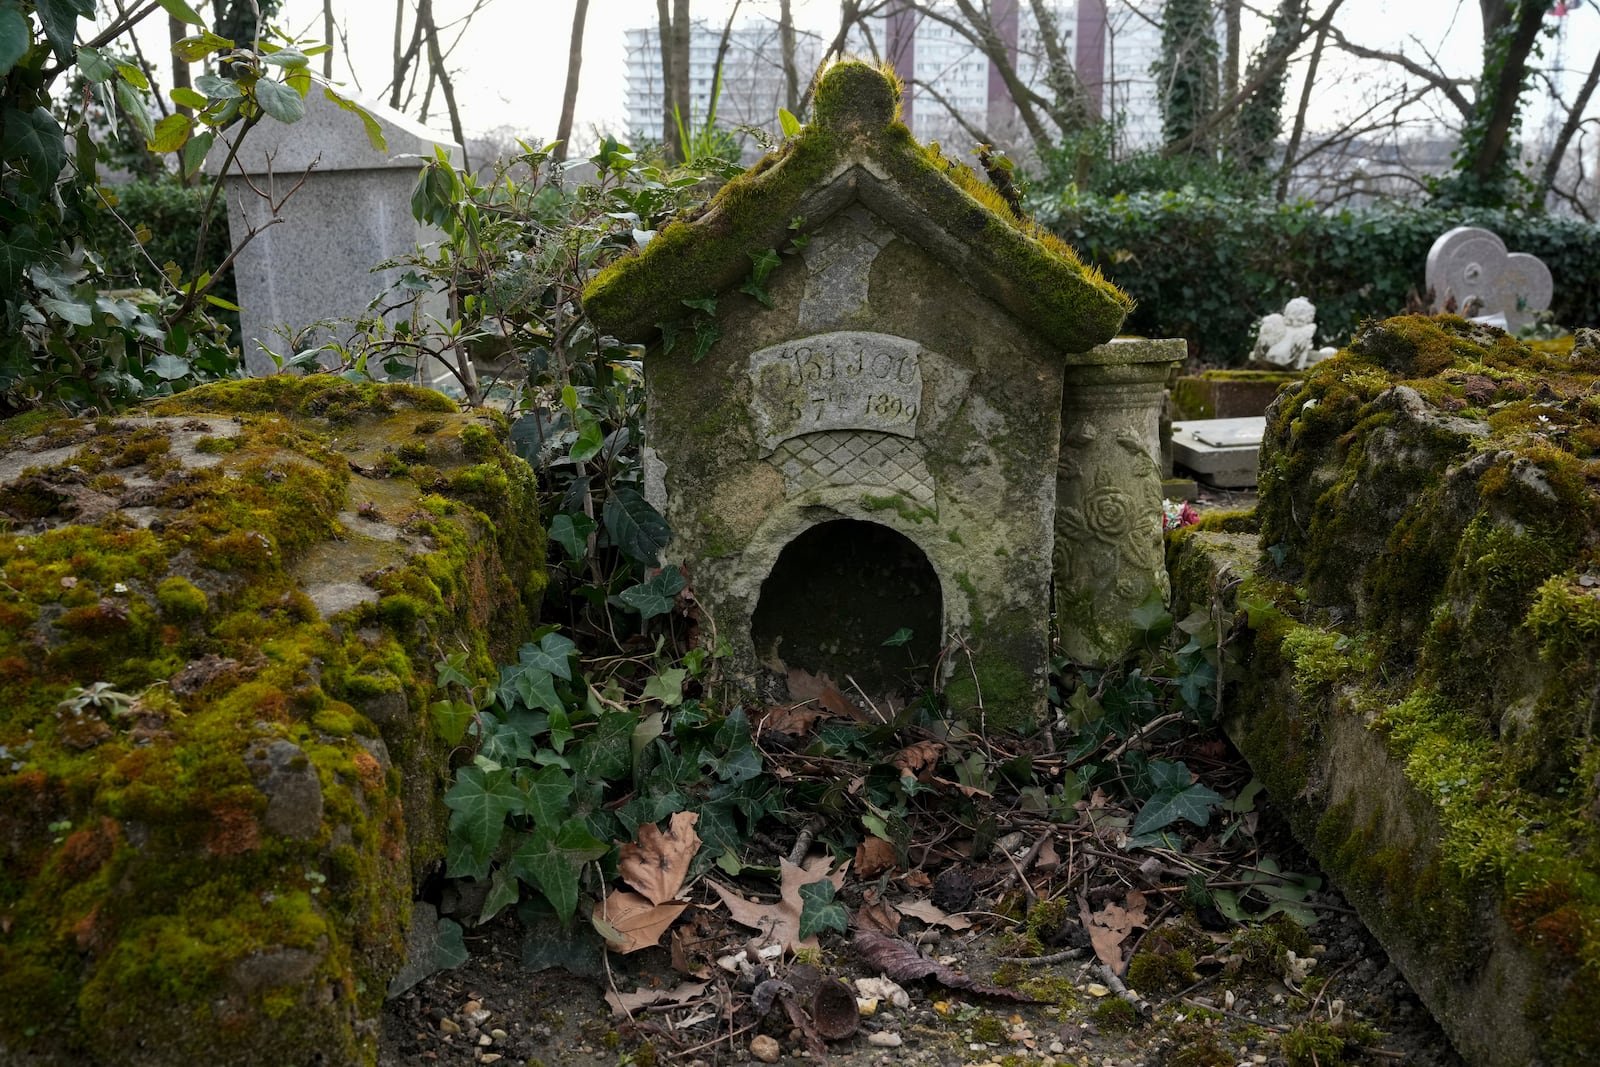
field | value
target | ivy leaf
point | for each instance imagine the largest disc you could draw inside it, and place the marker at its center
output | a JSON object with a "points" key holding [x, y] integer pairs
{"points": [[280, 101], [762, 264], [607, 751], [451, 719], [168, 367], [656, 596], [667, 687], [503, 890], [572, 532], [552, 860], [479, 802], [450, 951], [819, 911], [60, 21], [549, 796], [1151, 617], [1193, 803], [707, 304], [181, 11], [36, 137], [551, 654], [535, 688], [16, 36], [706, 334], [900, 637], [634, 526], [70, 310]]}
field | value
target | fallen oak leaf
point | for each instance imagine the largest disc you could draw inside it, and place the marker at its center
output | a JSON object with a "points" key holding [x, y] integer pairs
{"points": [[933, 915], [627, 1003], [657, 865], [1111, 925], [918, 760], [874, 856], [781, 921], [795, 720], [636, 921], [900, 961]]}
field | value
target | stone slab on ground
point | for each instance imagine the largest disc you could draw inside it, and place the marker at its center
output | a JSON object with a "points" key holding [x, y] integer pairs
{"points": [[1220, 452]]}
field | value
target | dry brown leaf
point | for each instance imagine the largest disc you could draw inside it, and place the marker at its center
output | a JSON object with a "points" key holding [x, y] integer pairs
{"points": [[900, 961], [781, 921], [1048, 859], [624, 1003], [1110, 926], [918, 760], [658, 864], [878, 915], [917, 879], [933, 915], [873, 856], [684, 961], [803, 685], [639, 922], [793, 719]]}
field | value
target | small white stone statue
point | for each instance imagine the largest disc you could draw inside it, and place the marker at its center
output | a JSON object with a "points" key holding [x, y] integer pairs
{"points": [[1287, 340]]}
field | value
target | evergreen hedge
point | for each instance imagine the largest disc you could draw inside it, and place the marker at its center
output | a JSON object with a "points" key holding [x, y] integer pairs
{"points": [[1206, 268]]}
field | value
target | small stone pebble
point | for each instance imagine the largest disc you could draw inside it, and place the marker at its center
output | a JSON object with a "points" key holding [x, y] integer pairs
{"points": [[765, 1048], [449, 1026], [884, 1039], [489, 1057], [498, 1034]]}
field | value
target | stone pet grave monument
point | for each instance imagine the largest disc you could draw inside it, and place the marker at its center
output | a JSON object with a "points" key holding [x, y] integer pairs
{"points": [[1472, 265], [354, 211], [875, 441]]}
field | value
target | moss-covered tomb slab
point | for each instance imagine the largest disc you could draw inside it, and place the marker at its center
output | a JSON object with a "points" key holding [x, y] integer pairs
{"points": [[1419, 663], [219, 619]]}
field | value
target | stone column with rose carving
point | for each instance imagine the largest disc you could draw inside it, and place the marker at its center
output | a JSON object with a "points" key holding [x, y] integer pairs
{"points": [[1108, 556]]}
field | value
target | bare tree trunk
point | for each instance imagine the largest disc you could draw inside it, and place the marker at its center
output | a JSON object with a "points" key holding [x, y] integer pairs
{"points": [[569, 96], [1070, 111], [1293, 148], [1547, 180], [177, 31], [791, 73], [327, 39], [1506, 89], [716, 71], [403, 58], [674, 31], [1230, 60], [436, 61], [989, 42]]}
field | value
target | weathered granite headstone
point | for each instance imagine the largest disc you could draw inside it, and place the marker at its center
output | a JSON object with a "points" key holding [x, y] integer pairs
{"points": [[1472, 265], [871, 444], [353, 213]]}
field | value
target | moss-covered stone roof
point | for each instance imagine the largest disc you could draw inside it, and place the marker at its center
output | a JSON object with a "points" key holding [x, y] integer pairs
{"points": [[857, 149]]}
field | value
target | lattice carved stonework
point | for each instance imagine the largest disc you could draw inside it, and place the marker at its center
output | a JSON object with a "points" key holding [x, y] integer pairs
{"points": [[854, 458]]}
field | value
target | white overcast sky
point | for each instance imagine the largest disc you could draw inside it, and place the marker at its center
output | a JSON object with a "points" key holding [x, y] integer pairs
{"points": [[511, 65]]}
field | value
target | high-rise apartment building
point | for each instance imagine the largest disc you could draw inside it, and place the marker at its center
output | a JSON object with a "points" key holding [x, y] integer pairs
{"points": [[952, 90]]}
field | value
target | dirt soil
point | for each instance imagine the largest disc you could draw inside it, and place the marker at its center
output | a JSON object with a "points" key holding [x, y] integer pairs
{"points": [[1351, 1007]]}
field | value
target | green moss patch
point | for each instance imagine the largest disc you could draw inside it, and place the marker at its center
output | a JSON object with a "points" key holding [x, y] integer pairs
{"points": [[214, 801], [1427, 604]]}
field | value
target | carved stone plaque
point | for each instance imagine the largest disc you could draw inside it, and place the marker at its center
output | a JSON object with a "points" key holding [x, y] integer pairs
{"points": [[845, 380]]}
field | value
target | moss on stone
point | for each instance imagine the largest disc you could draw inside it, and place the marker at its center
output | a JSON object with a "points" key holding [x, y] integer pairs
{"points": [[1018, 263], [180, 918], [1411, 488]]}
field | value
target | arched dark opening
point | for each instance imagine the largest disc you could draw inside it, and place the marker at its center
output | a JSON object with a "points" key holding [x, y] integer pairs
{"points": [[837, 593]]}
